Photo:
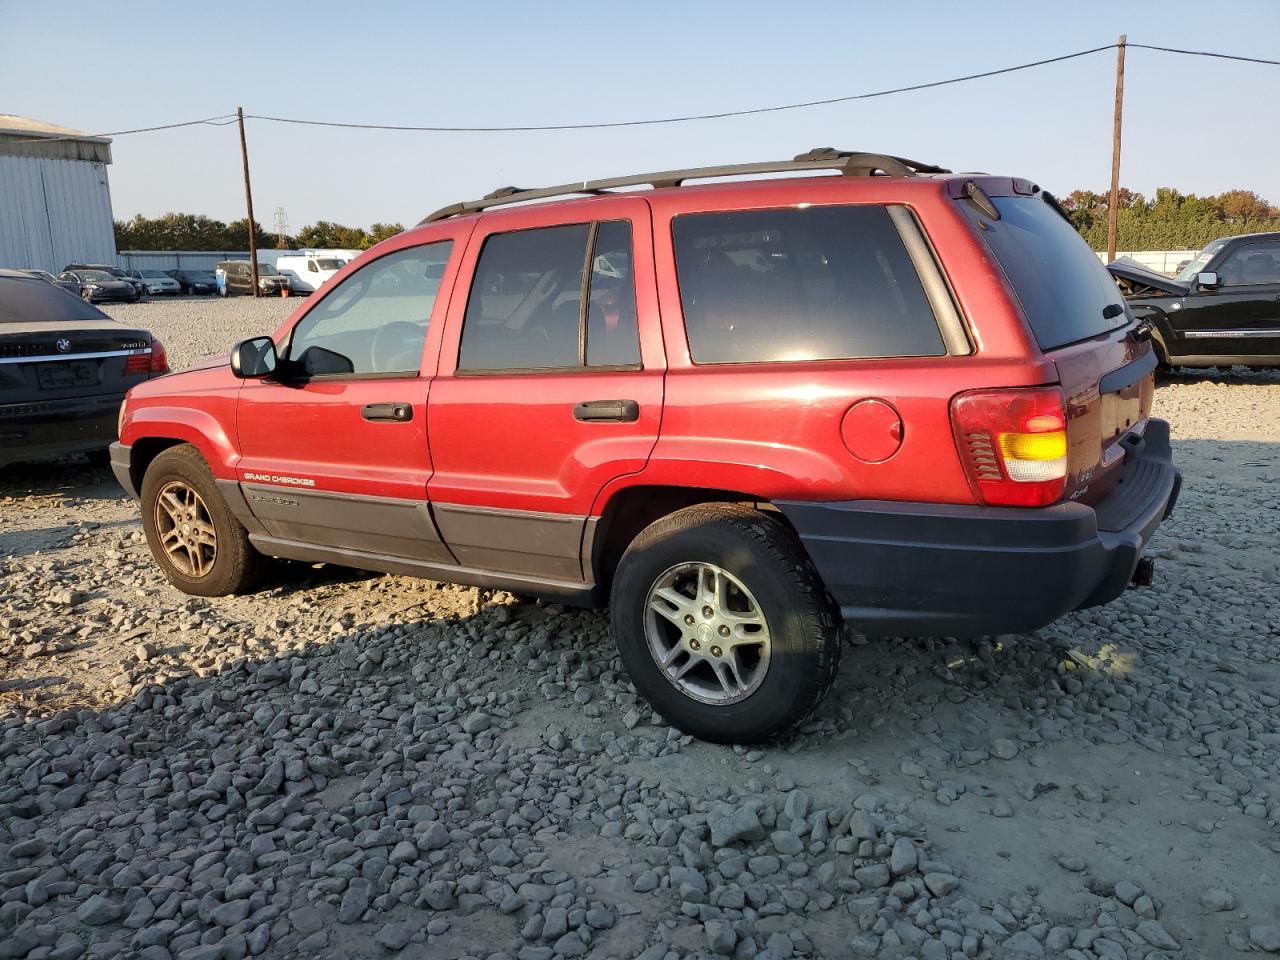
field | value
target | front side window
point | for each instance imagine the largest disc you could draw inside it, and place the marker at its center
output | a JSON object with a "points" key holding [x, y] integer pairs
{"points": [[816, 283], [1250, 265], [375, 321], [526, 308]]}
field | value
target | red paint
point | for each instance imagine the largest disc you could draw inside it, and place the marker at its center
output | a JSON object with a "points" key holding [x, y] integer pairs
{"points": [[872, 430]]}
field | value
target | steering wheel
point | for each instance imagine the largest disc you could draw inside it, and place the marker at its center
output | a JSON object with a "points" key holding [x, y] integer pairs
{"points": [[396, 348]]}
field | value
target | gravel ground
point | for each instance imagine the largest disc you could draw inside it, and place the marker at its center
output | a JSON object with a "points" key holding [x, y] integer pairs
{"points": [[357, 765]]}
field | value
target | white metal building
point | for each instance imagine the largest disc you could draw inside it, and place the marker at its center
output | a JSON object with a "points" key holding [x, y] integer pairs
{"points": [[55, 202]]}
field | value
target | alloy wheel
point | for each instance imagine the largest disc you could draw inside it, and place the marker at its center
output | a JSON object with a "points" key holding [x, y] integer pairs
{"points": [[707, 633], [185, 529]]}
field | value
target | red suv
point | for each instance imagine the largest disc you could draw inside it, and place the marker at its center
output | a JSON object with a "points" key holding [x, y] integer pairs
{"points": [[737, 412]]}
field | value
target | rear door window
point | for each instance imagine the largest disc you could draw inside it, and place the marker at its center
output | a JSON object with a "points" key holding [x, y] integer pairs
{"points": [[526, 307], [818, 283], [1064, 289]]}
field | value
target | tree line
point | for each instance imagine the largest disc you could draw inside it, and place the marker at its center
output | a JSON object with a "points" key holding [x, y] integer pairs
{"points": [[1171, 220], [190, 231]]}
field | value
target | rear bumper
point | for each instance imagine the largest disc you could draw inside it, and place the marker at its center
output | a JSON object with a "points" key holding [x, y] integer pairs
{"points": [[55, 428], [940, 569]]}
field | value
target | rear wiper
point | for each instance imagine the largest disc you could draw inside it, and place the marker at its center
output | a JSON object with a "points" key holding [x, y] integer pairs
{"points": [[979, 198]]}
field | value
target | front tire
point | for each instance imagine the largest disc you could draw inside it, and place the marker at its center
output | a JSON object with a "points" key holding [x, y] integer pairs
{"points": [[724, 625], [199, 545]]}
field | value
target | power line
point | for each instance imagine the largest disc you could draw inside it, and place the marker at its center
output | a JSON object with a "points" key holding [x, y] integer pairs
{"points": [[230, 118], [1206, 53], [226, 118], [758, 110], [692, 117]]}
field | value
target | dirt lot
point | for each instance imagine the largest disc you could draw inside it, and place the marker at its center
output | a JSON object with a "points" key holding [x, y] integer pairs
{"points": [[357, 765]]}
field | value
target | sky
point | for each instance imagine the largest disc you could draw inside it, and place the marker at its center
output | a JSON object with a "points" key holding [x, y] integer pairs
{"points": [[1194, 123]]}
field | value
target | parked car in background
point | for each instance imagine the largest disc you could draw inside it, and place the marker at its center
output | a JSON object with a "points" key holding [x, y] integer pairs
{"points": [[98, 286], [1222, 308], [71, 286], [240, 278], [114, 271], [64, 369], [910, 399], [308, 273], [195, 281], [156, 282]]}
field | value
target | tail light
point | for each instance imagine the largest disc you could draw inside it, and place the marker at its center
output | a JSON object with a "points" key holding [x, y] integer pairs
{"points": [[159, 358], [157, 361], [1013, 444]]}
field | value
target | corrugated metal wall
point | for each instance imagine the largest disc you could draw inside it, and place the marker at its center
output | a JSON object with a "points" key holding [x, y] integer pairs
{"points": [[54, 212], [185, 259]]}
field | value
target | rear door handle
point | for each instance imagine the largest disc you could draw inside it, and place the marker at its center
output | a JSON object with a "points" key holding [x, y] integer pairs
{"points": [[387, 412], [617, 411]]}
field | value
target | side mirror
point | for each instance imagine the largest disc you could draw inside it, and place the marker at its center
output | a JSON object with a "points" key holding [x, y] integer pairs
{"points": [[1208, 281], [254, 359]]}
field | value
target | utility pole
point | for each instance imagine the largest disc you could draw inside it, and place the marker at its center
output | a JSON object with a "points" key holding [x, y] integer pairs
{"points": [[1113, 207], [248, 202]]}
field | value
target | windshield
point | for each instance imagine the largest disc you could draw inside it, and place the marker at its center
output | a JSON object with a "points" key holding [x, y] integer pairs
{"points": [[267, 270], [1188, 273], [329, 264], [98, 275], [156, 273]]}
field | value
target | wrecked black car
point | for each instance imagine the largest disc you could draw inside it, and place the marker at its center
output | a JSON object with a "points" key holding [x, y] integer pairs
{"points": [[1222, 308]]}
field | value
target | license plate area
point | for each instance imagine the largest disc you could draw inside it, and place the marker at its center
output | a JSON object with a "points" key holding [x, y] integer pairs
{"points": [[71, 373], [1124, 413]]}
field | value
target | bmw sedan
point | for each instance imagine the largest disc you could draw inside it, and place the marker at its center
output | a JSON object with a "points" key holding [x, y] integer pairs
{"points": [[64, 369]]}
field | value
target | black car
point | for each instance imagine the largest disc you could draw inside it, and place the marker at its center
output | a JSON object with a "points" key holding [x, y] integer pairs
{"points": [[97, 286], [195, 281], [71, 286], [1222, 308], [114, 271], [64, 369]]}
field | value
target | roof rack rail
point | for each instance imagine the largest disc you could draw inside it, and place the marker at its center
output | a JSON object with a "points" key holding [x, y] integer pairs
{"points": [[849, 163]]}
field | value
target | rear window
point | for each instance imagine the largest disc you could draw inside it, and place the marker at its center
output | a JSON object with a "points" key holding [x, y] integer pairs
{"points": [[1062, 285], [25, 300], [818, 283]]}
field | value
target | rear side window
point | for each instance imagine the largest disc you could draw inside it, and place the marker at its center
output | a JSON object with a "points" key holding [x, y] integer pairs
{"points": [[526, 308], [820, 283], [1062, 285], [24, 300]]}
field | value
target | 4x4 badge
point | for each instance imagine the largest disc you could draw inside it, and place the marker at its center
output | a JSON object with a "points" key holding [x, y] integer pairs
{"points": [[63, 344]]}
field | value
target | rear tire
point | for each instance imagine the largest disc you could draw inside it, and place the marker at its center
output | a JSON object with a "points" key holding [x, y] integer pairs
{"points": [[766, 656], [197, 542]]}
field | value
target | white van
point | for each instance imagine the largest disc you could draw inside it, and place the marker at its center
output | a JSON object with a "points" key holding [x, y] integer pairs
{"points": [[309, 272]]}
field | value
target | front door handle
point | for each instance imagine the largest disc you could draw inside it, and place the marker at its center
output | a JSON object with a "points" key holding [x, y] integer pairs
{"points": [[617, 411], [387, 412]]}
